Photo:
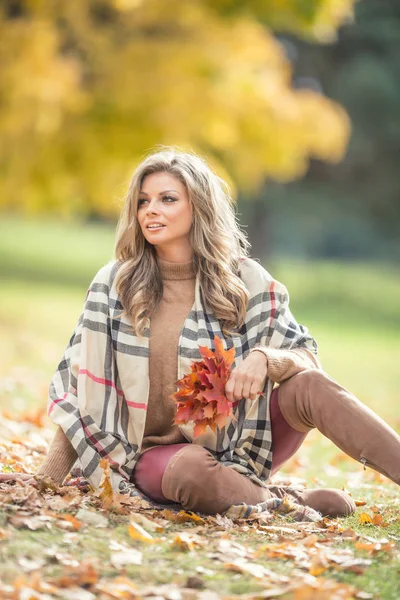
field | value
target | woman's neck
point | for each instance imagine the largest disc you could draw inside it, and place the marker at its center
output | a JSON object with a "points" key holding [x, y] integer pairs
{"points": [[176, 271], [175, 255]]}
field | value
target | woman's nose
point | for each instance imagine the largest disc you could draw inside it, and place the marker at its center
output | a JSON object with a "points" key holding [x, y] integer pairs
{"points": [[152, 208]]}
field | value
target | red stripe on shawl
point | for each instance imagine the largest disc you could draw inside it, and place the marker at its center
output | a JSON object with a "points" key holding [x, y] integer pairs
{"points": [[101, 380], [54, 402], [141, 405], [97, 445], [102, 452], [136, 404]]}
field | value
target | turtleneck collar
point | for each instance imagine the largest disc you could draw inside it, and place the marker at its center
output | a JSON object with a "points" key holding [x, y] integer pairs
{"points": [[176, 271]]}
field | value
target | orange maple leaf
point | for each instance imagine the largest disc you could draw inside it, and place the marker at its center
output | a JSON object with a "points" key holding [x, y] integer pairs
{"points": [[200, 396]]}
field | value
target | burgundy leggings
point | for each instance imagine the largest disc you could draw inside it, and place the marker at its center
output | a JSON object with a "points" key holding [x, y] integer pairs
{"points": [[151, 465]]}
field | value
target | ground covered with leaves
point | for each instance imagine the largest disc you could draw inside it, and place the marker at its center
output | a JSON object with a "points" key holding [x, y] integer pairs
{"points": [[64, 543]]}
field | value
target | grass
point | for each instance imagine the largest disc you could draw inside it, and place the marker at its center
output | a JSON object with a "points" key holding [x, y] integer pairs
{"points": [[164, 562], [352, 310]]}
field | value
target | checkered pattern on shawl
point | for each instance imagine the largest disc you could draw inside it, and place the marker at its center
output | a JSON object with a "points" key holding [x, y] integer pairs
{"points": [[100, 390]]}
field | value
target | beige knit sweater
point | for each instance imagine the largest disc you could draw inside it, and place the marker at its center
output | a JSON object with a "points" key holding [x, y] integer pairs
{"points": [[166, 325]]}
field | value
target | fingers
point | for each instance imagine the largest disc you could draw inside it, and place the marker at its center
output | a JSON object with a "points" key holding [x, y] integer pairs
{"points": [[232, 389], [247, 380], [243, 385]]}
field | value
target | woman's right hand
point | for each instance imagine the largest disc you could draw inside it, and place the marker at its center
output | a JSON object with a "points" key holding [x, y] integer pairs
{"points": [[14, 477]]}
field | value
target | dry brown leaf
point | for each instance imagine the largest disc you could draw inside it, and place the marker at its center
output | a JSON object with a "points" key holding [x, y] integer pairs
{"points": [[107, 493], [122, 555], [231, 550], [69, 522], [86, 575], [89, 517], [365, 518], [256, 570], [187, 541], [148, 524], [137, 532], [324, 589], [182, 516], [318, 565], [33, 523], [349, 533], [375, 546], [310, 540], [120, 588]]}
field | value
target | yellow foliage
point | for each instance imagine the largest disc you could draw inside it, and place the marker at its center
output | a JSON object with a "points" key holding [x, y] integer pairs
{"points": [[88, 88]]}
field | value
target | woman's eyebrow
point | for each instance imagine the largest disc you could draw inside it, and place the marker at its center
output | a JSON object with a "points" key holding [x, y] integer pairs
{"points": [[160, 193]]}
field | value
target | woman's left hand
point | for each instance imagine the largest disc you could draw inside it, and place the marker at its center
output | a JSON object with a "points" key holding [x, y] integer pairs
{"points": [[247, 380]]}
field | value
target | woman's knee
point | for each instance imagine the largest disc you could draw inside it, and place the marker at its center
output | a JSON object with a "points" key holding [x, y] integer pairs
{"points": [[187, 474], [193, 462], [297, 395], [309, 377]]}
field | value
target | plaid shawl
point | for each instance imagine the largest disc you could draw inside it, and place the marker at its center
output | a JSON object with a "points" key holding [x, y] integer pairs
{"points": [[100, 390]]}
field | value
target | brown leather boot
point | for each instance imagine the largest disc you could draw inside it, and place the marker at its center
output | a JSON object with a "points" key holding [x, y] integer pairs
{"points": [[312, 399], [327, 501]]}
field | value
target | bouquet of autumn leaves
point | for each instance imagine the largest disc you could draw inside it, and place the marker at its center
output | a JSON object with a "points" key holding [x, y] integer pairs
{"points": [[201, 394]]}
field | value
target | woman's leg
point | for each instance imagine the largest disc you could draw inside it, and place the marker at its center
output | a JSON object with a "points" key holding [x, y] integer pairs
{"points": [[285, 442], [150, 469], [313, 399], [188, 474], [197, 481]]}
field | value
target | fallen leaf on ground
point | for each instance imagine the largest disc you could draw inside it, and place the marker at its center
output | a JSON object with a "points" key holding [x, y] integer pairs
{"points": [[148, 524], [122, 555], [375, 546], [28, 564], [182, 516], [89, 517], [187, 541], [107, 493], [84, 575], [137, 532], [256, 570], [69, 522]]}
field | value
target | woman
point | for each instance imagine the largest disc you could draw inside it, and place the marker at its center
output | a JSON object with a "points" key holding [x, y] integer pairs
{"points": [[181, 277]]}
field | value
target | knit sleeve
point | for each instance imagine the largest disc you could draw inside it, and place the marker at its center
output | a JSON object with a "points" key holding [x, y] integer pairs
{"points": [[282, 363], [60, 458]]}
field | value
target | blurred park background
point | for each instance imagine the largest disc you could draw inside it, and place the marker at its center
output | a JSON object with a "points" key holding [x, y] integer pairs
{"points": [[295, 103]]}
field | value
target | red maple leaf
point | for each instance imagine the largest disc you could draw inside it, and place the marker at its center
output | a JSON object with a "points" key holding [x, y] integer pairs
{"points": [[200, 396]]}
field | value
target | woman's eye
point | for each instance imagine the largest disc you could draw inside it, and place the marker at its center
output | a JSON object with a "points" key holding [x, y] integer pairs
{"points": [[141, 201], [169, 199]]}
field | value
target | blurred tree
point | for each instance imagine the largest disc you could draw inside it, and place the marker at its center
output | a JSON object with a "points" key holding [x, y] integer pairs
{"points": [[353, 208], [87, 87]]}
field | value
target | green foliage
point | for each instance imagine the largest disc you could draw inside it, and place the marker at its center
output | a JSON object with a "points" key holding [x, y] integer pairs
{"points": [[315, 19], [351, 209]]}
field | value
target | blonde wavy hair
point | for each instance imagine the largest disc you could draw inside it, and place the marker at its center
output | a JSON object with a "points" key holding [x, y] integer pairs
{"points": [[217, 241]]}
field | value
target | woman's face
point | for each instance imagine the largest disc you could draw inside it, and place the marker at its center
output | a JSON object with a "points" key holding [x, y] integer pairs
{"points": [[165, 216]]}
